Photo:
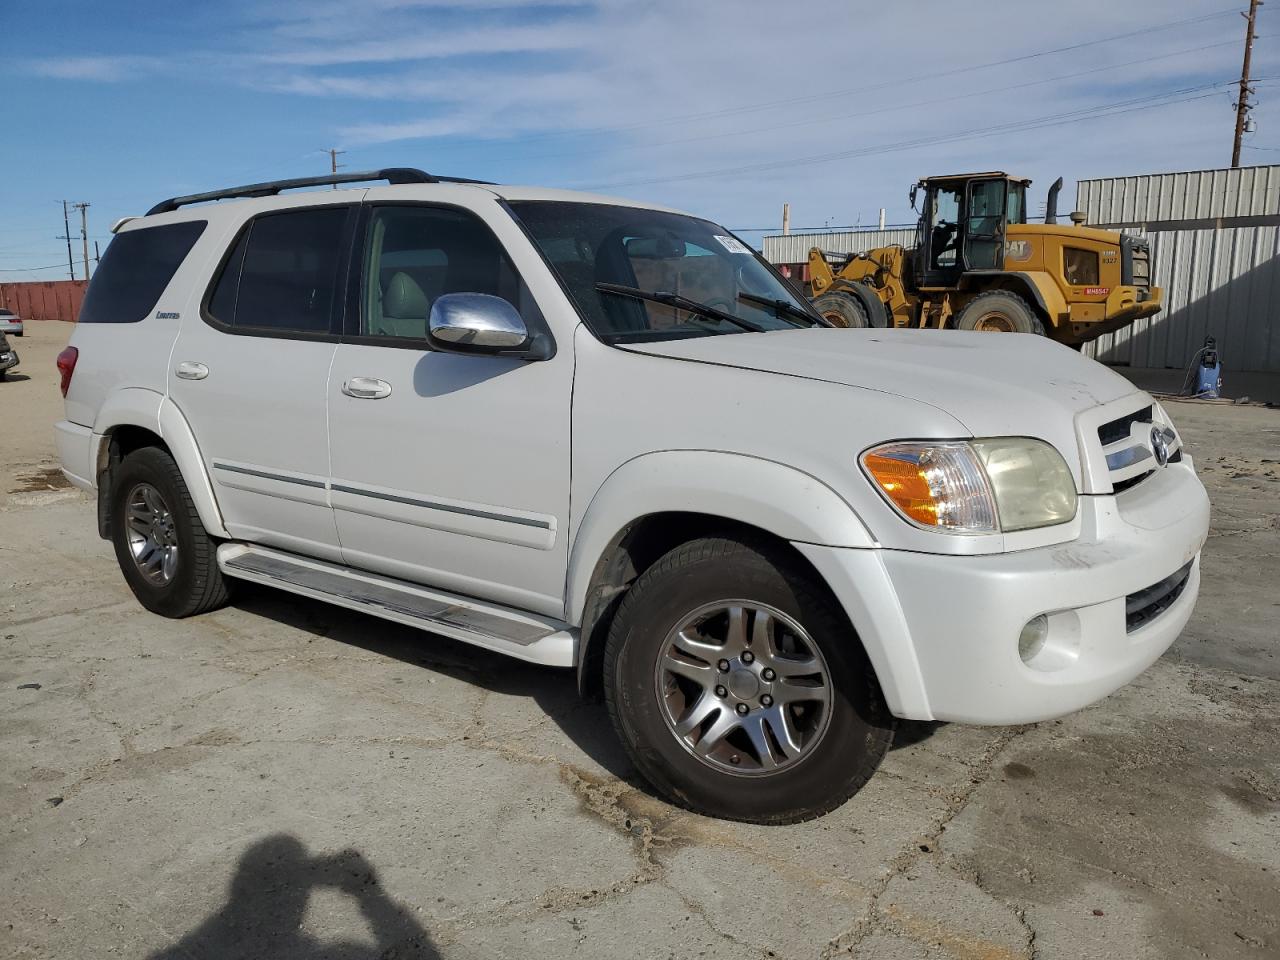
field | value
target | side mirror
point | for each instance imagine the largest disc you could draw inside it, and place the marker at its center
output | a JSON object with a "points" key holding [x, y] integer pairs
{"points": [[475, 323]]}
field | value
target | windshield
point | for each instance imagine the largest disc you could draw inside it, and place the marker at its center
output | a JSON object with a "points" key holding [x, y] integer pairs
{"points": [[593, 246]]}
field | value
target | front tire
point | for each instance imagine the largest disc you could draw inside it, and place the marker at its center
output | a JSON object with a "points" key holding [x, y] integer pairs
{"points": [[998, 311], [739, 689], [164, 552], [842, 310]]}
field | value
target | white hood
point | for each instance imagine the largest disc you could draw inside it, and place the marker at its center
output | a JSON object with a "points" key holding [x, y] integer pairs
{"points": [[994, 384]]}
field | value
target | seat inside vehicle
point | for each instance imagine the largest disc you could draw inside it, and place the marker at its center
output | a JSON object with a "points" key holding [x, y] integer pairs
{"points": [[405, 308]]}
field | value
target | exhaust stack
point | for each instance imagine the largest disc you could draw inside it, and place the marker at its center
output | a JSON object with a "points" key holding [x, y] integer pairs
{"points": [[1051, 205]]}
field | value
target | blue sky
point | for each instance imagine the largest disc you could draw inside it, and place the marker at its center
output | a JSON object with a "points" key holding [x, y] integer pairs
{"points": [[724, 107]]}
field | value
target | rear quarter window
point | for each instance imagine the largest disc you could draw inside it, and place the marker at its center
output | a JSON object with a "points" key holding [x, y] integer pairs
{"points": [[134, 271]]}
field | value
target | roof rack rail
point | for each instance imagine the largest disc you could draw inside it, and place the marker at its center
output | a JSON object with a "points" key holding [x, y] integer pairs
{"points": [[272, 187]]}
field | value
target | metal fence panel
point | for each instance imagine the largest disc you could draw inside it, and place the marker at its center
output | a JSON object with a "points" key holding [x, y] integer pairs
{"points": [[44, 300], [794, 247]]}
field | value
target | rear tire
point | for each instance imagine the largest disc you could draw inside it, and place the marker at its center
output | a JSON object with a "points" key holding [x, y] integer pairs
{"points": [[822, 739], [164, 552], [842, 310], [999, 311]]}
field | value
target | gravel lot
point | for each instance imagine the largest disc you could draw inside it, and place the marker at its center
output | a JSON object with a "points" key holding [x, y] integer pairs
{"points": [[284, 779]]}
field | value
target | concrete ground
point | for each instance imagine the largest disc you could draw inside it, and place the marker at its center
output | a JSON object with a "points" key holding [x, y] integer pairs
{"points": [[282, 779]]}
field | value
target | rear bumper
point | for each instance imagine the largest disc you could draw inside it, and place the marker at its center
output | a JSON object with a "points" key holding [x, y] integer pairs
{"points": [[942, 631], [75, 446]]}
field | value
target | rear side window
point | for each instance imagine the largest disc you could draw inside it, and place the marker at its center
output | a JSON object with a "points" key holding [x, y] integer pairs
{"points": [[282, 274], [134, 271]]}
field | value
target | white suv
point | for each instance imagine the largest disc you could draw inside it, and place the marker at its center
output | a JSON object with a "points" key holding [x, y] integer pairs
{"points": [[594, 434]]}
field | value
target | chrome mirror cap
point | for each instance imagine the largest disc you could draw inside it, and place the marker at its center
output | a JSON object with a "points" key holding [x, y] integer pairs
{"points": [[476, 321]]}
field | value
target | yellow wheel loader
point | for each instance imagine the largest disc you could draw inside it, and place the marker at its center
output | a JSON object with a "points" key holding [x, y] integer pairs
{"points": [[978, 265]]}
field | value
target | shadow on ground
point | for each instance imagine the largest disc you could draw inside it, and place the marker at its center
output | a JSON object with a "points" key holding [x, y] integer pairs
{"points": [[585, 722], [267, 902]]}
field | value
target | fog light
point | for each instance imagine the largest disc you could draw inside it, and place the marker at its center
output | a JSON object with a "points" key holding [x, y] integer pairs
{"points": [[1032, 639]]}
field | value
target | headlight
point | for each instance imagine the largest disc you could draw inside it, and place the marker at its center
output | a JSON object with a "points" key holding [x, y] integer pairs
{"points": [[975, 486]]}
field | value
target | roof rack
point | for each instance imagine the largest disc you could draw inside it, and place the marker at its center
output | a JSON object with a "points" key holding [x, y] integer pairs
{"points": [[270, 188]]}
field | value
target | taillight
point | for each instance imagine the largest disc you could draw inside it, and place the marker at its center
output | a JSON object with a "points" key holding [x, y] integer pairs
{"points": [[67, 366]]}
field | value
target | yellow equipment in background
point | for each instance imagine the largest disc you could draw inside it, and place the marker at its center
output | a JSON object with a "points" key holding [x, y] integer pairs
{"points": [[978, 265]]}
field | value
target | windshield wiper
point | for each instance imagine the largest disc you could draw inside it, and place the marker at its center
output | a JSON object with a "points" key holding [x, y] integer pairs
{"points": [[680, 303], [780, 307]]}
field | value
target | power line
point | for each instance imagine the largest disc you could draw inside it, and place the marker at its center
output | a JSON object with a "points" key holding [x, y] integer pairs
{"points": [[1073, 116], [894, 107], [52, 266], [855, 227]]}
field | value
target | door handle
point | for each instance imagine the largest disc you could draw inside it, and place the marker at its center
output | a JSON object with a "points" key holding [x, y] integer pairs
{"points": [[366, 388], [191, 370]]}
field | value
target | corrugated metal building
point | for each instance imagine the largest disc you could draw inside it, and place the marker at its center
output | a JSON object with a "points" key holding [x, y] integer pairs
{"points": [[1215, 243]]}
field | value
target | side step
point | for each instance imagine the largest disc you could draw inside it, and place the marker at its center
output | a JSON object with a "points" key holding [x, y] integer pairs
{"points": [[494, 627]]}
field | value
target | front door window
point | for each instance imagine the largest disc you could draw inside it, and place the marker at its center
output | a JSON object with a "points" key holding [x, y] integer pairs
{"points": [[944, 228]]}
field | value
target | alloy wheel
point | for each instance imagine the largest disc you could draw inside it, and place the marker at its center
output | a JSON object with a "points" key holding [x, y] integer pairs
{"points": [[744, 688], [153, 538]]}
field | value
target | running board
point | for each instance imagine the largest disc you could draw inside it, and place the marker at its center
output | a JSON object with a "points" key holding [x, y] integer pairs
{"points": [[494, 627]]}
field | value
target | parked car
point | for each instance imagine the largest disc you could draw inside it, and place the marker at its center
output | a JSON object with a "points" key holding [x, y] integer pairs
{"points": [[10, 322], [8, 357], [595, 434]]}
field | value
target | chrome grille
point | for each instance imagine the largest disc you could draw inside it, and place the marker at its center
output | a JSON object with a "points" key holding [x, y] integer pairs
{"points": [[1129, 444]]}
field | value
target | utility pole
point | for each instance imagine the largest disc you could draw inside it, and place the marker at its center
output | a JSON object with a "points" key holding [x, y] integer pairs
{"points": [[97, 256], [84, 234], [1242, 101], [66, 235], [333, 162], [786, 219]]}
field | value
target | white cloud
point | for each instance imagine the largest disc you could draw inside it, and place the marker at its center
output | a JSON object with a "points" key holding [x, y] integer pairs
{"points": [[645, 94], [428, 44], [107, 69]]}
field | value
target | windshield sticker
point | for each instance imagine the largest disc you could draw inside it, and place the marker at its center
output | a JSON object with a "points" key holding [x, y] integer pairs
{"points": [[732, 245]]}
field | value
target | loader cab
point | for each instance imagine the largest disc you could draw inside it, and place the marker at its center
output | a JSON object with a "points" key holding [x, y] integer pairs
{"points": [[963, 223]]}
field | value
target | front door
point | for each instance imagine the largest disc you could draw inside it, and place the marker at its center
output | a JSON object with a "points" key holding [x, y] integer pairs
{"points": [[940, 240], [984, 224], [251, 378], [447, 469]]}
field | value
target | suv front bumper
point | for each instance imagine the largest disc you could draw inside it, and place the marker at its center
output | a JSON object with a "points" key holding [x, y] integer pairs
{"points": [[942, 631]]}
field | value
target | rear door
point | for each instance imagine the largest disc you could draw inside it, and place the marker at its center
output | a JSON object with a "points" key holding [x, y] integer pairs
{"points": [[449, 469], [251, 377]]}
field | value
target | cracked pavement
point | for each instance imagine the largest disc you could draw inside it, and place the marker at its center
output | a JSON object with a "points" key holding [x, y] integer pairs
{"points": [[285, 779]]}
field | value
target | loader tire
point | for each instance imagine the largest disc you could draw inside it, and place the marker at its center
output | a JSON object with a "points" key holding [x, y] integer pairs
{"points": [[846, 309], [999, 311]]}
